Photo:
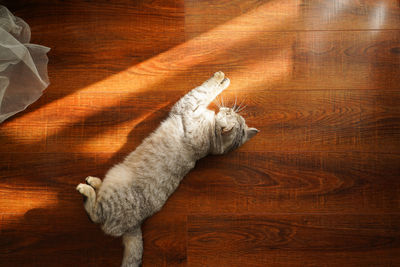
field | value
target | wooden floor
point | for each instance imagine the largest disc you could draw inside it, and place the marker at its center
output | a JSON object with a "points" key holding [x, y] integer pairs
{"points": [[318, 186]]}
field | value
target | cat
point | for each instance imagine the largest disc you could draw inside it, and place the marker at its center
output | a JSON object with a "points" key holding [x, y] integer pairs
{"points": [[139, 186]]}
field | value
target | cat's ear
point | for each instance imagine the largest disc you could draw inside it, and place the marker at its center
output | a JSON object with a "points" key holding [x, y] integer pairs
{"points": [[251, 132]]}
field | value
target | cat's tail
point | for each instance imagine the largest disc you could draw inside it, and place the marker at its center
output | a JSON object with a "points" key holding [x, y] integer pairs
{"points": [[133, 252]]}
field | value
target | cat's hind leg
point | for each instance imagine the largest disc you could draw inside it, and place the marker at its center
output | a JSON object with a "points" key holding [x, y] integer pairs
{"points": [[93, 182], [90, 201]]}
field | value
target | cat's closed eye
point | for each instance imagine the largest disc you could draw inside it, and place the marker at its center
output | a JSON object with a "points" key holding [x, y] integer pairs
{"points": [[226, 130]]}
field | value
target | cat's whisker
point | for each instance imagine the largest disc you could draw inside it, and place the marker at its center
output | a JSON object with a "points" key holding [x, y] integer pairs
{"points": [[236, 109], [222, 101], [234, 105], [241, 103], [241, 109]]}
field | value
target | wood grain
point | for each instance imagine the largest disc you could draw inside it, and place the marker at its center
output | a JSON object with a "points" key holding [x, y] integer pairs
{"points": [[296, 15], [332, 120], [40, 208], [292, 240], [318, 186], [258, 183]]}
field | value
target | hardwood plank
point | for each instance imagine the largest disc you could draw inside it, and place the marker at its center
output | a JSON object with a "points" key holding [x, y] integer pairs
{"points": [[39, 180], [107, 43], [94, 52], [37, 190], [48, 236], [165, 241], [68, 238], [319, 184], [290, 15], [239, 182], [98, 39], [259, 58], [46, 180], [332, 120], [276, 61], [273, 60], [206, 15], [293, 240], [258, 183], [42, 221]]}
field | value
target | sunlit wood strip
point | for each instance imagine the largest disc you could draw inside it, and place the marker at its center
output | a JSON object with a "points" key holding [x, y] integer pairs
{"points": [[15, 203], [150, 74]]}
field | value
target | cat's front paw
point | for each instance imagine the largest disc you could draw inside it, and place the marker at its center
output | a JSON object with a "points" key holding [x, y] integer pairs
{"points": [[222, 81]]}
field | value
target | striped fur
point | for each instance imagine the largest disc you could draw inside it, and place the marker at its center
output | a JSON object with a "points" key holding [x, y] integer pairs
{"points": [[139, 186]]}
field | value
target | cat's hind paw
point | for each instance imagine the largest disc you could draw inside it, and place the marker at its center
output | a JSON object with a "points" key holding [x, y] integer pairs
{"points": [[84, 189], [93, 182]]}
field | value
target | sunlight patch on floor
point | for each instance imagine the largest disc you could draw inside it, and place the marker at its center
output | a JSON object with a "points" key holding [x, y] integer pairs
{"points": [[22, 202], [150, 74]]}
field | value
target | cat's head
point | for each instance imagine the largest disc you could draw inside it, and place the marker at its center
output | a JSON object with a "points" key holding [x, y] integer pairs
{"points": [[231, 131]]}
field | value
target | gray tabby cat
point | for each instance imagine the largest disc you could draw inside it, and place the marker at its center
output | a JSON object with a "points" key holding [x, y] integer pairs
{"points": [[139, 186]]}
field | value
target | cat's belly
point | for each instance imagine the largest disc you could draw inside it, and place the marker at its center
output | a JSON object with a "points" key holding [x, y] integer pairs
{"points": [[130, 195], [125, 209]]}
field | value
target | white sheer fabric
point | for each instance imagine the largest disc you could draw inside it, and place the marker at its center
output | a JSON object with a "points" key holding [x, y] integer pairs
{"points": [[23, 66]]}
